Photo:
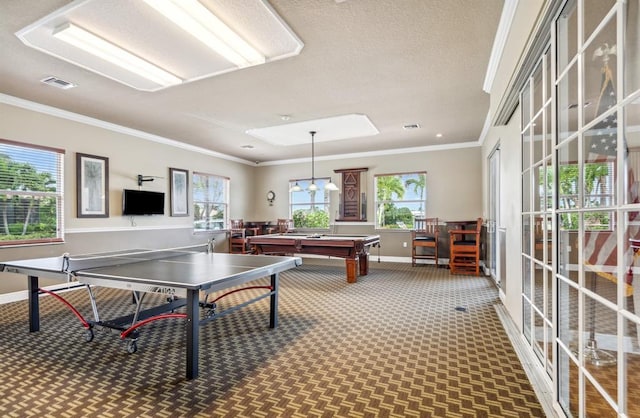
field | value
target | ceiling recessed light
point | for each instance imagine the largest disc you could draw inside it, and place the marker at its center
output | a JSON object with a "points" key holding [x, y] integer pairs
{"points": [[285, 117], [438, 135], [411, 126]]}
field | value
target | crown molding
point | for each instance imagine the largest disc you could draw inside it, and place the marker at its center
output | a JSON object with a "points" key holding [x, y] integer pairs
{"points": [[383, 153], [64, 114], [508, 12]]}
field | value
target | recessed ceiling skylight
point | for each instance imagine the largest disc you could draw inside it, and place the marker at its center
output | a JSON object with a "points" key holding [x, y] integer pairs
{"points": [[328, 129]]}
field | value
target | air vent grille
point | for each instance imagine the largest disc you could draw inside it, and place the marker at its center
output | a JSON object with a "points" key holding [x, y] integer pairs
{"points": [[58, 82]]}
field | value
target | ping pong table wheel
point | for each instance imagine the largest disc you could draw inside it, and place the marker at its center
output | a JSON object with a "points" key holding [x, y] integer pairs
{"points": [[88, 335], [132, 346]]}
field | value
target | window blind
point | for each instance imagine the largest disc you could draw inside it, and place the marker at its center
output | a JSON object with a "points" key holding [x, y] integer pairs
{"points": [[31, 193]]}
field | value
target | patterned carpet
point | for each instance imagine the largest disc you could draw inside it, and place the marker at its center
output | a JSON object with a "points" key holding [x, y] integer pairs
{"points": [[402, 342]]}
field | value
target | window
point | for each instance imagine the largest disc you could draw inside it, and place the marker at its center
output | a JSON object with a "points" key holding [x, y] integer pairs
{"points": [[210, 202], [31, 194], [598, 181], [308, 208], [399, 199]]}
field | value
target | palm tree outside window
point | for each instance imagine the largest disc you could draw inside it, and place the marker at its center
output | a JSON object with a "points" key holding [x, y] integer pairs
{"points": [[400, 198]]}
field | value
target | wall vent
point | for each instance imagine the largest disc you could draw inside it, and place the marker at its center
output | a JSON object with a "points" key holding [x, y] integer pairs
{"points": [[58, 82]]}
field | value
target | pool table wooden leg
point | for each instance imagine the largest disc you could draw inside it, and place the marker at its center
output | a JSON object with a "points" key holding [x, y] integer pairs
{"points": [[364, 264], [352, 264]]}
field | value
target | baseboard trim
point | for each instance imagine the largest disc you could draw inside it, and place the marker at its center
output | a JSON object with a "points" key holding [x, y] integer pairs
{"points": [[537, 376]]}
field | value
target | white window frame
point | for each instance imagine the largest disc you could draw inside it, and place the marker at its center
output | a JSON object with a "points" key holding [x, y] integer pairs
{"points": [[419, 212], [296, 204], [200, 198], [41, 159]]}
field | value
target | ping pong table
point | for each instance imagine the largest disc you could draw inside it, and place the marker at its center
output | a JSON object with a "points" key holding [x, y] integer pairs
{"points": [[183, 276]]}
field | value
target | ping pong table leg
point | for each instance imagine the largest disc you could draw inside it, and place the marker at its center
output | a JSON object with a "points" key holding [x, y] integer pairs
{"points": [[193, 332], [34, 304], [273, 316]]}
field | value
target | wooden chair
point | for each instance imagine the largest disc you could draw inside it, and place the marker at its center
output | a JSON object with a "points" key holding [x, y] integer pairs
{"points": [[238, 236], [542, 235], [464, 247], [538, 234], [283, 226], [542, 239], [424, 235]]}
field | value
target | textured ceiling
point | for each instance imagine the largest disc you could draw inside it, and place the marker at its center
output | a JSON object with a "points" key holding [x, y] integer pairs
{"points": [[396, 61]]}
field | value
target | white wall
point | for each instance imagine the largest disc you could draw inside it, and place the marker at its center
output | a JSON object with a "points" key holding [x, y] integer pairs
{"points": [[519, 35], [508, 137], [510, 209]]}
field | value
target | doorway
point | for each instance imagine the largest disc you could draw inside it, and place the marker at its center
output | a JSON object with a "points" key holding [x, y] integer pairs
{"points": [[493, 221]]}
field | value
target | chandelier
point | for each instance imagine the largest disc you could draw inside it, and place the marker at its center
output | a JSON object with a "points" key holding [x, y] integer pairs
{"points": [[330, 186]]}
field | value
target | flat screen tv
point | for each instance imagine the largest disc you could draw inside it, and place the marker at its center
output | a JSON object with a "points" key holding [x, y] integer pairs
{"points": [[142, 202]]}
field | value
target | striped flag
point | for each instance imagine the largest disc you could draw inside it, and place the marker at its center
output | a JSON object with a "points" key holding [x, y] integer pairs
{"points": [[601, 257], [600, 248], [603, 138]]}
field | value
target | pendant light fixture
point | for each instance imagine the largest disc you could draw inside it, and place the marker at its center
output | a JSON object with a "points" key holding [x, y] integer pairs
{"points": [[296, 187], [312, 186], [330, 186]]}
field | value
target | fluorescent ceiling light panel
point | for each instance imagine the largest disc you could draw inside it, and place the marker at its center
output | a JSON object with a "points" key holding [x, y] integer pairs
{"points": [[88, 42], [261, 36], [196, 19]]}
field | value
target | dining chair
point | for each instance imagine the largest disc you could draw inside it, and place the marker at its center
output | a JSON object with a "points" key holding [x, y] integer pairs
{"points": [[424, 235], [464, 250]]}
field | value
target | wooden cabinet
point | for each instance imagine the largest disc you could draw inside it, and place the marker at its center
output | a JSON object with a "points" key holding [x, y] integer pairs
{"points": [[353, 198]]}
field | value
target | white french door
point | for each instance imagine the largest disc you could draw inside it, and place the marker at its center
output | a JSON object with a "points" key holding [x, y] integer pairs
{"points": [[493, 222]]}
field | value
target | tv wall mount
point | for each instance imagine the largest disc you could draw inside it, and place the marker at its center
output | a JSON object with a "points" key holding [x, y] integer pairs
{"points": [[142, 179]]}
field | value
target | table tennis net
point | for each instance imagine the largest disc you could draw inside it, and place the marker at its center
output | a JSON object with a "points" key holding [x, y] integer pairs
{"points": [[94, 260]]}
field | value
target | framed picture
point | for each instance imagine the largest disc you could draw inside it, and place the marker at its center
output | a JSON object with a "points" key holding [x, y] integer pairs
{"points": [[179, 189], [92, 185]]}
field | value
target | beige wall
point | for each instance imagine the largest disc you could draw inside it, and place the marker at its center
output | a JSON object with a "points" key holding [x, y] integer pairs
{"points": [[128, 156], [454, 189], [456, 178], [453, 185]]}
